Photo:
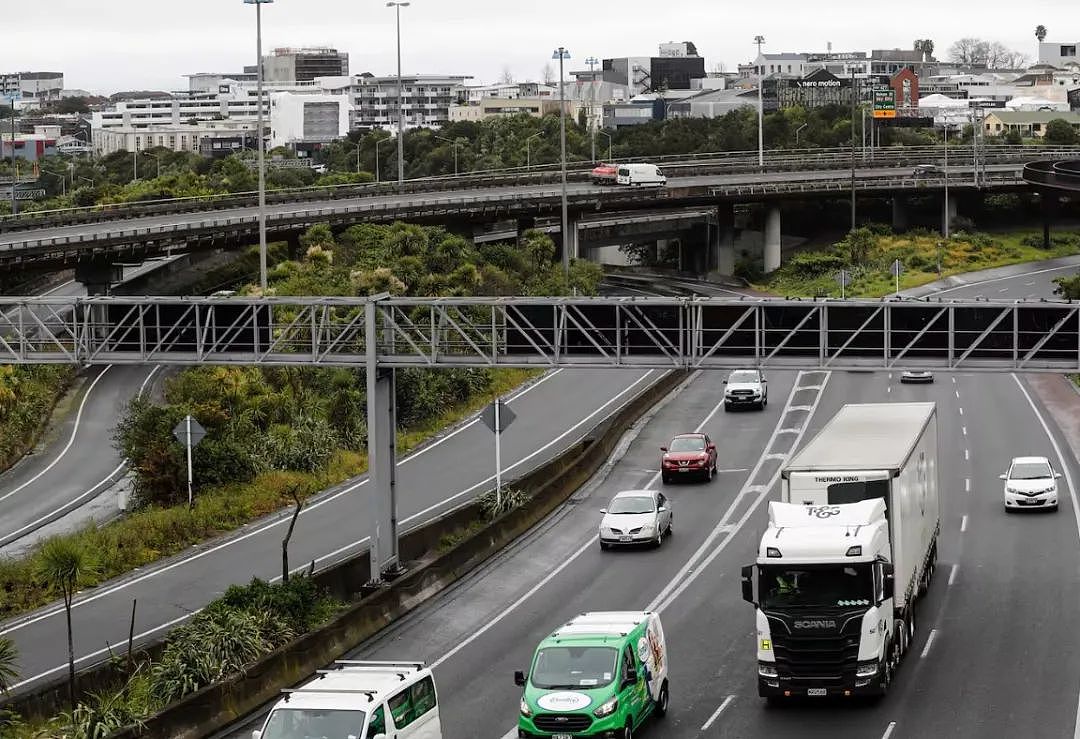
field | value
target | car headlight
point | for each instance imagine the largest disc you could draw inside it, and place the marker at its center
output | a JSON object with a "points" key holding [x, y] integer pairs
{"points": [[607, 708], [866, 669], [524, 707], [766, 669], [1010, 489], [648, 529]]}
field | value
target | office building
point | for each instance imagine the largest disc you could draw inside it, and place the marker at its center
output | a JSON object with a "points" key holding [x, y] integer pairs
{"points": [[427, 98], [305, 122], [492, 107], [32, 86], [1062, 56], [304, 65], [674, 69], [176, 137], [211, 82]]}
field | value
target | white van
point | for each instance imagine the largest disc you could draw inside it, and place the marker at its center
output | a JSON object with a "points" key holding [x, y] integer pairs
{"points": [[640, 174], [359, 700]]}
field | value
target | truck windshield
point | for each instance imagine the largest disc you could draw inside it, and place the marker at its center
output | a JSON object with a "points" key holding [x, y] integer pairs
{"points": [[573, 667], [817, 586], [310, 723]]}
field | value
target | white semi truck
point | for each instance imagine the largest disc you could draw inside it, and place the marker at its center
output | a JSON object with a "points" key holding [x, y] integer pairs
{"points": [[847, 555]]}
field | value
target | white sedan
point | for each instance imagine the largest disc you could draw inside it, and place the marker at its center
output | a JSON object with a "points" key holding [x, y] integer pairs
{"points": [[636, 517], [1031, 482]]}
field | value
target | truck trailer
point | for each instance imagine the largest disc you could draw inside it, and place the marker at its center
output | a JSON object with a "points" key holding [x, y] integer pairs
{"points": [[848, 553]]}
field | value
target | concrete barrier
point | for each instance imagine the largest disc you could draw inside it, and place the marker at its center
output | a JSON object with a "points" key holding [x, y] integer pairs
{"points": [[216, 706]]}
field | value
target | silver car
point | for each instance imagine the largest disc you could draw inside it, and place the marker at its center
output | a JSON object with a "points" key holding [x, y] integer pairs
{"points": [[636, 517]]}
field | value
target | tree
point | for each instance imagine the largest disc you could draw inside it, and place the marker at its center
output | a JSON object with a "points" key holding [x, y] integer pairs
{"points": [[8, 656], [547, 74], [65, 565], [1068, 287], [1060, 132], [1040, 32], [993, 54], [506, 77], [925, 46]]}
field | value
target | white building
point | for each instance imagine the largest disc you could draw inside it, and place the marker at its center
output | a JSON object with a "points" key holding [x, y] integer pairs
{"points": [[787, 64], [1058, 54], [177, 137], [211, 82], [32, 86], [427, 99], [296, 120]]}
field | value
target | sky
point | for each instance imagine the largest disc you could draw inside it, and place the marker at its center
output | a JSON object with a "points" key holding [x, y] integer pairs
{"points": [[140, 44]]}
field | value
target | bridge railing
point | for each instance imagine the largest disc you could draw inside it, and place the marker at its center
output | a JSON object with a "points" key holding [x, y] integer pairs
{"points": [[733, 163]]}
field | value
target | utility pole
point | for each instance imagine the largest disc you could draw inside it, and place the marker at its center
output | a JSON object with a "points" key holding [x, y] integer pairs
{"points": [[14, 176], [401, 100], [948, 225], [759, 40], [562, 54], [260, 141], [854, 103]]}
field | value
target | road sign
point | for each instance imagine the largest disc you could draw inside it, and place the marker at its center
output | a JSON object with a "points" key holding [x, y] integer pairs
{"points": [[843, 278], [896, 269], [885, 103], [506, 417], [198, 433]]}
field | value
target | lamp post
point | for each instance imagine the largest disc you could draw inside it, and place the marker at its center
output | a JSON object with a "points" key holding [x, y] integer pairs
{"points": [[528, 152], [854, 103], [608, 135], [397, 6], [759, 40], [357, 147], [455, 144], [14, 177], [63, 181], [797, 132], [378, 143], [947, 218], [562, 54], [260, 141]]}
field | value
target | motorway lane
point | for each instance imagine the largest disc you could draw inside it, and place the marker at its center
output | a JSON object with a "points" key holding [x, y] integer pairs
{"points": [[7, 240], [552, 414]]}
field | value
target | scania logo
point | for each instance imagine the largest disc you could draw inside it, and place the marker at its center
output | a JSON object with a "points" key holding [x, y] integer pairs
{"points": [[820, 623]]}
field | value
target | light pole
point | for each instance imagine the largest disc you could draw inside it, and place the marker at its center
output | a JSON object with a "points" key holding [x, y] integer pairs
{"points": [[357, 147], [854, 103], [797, 132], [260, 141], [14, 177], [455, 144], [378, 174], [63, 181], [947, 218], [397, 6], [528, 153], [759, 40], [608, 135], [562, 54]]}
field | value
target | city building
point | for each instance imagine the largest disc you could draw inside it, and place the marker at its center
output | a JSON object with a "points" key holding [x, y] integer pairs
{"points": [[32, 86], [304, 65], [674, 69], [712, 103], [1026, 123], [510, 91], [1059, 55], [305, 122], [192, 137], [891, 61], [211, 82], [840, 64], [427, 98], [29, 147], [791, 65], [491, 107]]}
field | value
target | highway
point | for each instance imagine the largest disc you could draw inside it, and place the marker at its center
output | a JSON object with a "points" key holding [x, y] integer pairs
{"points": [[526, 193], [991, 654]]}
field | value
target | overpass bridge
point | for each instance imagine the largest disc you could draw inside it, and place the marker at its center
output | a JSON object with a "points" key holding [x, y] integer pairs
{"points": [[381, 334]]}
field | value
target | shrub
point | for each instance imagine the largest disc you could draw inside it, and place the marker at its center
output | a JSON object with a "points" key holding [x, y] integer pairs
{"points": [[808, 265]]}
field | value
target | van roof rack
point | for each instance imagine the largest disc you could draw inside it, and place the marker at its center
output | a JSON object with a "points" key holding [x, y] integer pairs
{"points": [[378, 663], [369, 693], [324, 673]]}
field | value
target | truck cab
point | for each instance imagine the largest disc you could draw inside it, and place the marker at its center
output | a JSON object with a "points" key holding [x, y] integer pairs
{"points": [[822, 586]]}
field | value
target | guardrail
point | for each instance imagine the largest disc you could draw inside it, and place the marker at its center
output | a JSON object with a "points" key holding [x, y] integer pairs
{"points": [[735, 163]]}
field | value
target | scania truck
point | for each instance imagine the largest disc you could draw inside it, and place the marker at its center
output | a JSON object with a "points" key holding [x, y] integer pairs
{"points": [[847, 555]]}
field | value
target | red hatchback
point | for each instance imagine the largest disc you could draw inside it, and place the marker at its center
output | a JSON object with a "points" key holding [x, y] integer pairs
{"points": [[688, 455]]}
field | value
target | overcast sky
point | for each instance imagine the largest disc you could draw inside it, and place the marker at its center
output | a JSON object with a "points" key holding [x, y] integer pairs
{"points": [[139, 44]]}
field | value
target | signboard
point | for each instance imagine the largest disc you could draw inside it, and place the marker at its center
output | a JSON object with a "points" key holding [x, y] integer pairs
{"points": [[884, 103], [506, 417], [28, 194], [197, 431], [896, 269]]}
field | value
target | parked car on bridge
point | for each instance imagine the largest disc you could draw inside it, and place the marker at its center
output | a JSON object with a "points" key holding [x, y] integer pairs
{"points": [[639, 175]]}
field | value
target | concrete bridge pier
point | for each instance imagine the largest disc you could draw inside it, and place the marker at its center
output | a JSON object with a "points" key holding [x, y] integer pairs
{"points": [[949, 213], [772, 240], [98, 277], [723, 240], [570, 241], [900, 217]]}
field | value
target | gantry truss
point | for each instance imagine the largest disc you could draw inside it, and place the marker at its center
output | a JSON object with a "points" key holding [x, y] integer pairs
{"points": [[666, 333]]}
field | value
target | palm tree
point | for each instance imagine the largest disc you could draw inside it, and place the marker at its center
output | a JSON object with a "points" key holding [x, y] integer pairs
{"points": [[8, 655], [1040, 32], [65, 565]]}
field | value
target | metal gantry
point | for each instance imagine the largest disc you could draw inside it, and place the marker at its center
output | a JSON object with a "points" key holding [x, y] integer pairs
{"points": [[603, 333]]}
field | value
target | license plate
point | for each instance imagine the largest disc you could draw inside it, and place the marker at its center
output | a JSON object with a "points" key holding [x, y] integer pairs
{"points": [[621, 538], [684, 469], [562, 736], [816, 691]]}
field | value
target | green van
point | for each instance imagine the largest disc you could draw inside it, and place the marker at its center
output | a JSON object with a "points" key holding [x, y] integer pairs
{"points": [[599, 675]]}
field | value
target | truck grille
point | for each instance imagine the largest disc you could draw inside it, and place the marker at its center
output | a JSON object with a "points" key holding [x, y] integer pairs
{"points": [[817, 660], [562, 722]]}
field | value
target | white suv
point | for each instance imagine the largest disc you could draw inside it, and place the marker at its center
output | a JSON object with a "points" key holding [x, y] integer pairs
{"points": [[746, 388], [1031, 482]]}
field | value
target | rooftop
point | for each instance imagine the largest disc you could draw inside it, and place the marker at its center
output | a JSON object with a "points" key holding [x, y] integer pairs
{"points": [[1034, 116]]}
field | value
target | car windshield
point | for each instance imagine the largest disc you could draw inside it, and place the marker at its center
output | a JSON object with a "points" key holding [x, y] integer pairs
{"points": [[635, 504], [744, 376], [1030, 471], [573, 667], [687, 444], [309, 723], [827, 586]]}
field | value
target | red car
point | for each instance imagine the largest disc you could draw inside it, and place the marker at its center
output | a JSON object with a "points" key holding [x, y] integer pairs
{"points": [[604, 174], [688, 455]]}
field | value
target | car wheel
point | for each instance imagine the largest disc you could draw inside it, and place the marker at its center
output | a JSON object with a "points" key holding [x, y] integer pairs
{"points": [[628, 730], [659, 540], [665, 479], [727, 408], [662, 701], [604, 546], [709, 474]]}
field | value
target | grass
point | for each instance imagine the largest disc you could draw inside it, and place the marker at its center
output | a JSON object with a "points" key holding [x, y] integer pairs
{"points": [[147, 536], [28, 395], [919, 253]]}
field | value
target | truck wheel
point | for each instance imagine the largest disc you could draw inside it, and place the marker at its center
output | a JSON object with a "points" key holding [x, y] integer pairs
{"points": [[901, 638], [662, 701]]}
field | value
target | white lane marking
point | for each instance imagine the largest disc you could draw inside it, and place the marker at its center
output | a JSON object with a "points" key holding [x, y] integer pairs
{"points": [[889, 730], [929, 643], [963, 527], [77, 501], [1002, 279], [961, 411], [58, 288], [957, 394], [104, 592], [954, 379], [1003, 290], [967, 484], [952, 575], [967, 455], [71, 440], [888, 389], [964, 429], [717, 712], [669, 595]]}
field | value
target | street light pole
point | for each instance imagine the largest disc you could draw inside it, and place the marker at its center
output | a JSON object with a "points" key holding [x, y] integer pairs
{"points": [[759, 40], [453, 143], [14, 177], [357, 146], [401, 99], [63, 181], [947, 218], [528, 152], [260, 142], [854, 103], [608, 135], [562, 54], [378, 173]]}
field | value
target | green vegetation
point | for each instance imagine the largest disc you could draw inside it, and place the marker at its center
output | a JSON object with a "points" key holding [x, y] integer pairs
{"points": [[867, 254], [244, 625], [1068, 287], [28, 394]]}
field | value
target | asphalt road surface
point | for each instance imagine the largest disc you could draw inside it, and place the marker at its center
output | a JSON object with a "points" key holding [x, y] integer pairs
{"points": [[992, 654]]}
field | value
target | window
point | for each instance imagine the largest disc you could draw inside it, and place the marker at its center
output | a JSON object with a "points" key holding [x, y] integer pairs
{"points": [[423, 697], [378, 723], [1068, 50], [399, 708]]}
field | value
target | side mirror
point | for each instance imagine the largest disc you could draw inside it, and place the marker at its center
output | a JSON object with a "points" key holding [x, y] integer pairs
{"points": [[519, 678], [1002, 477], [712, 447], [256, 734], [725, 382], [663, 448], [748, 584], [1057, 475], [603, 510], [888, 582], [662, 509]]}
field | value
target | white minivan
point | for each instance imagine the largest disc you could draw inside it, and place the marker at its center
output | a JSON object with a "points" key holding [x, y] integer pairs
{"points": [[359, 700], [640, 174]]}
